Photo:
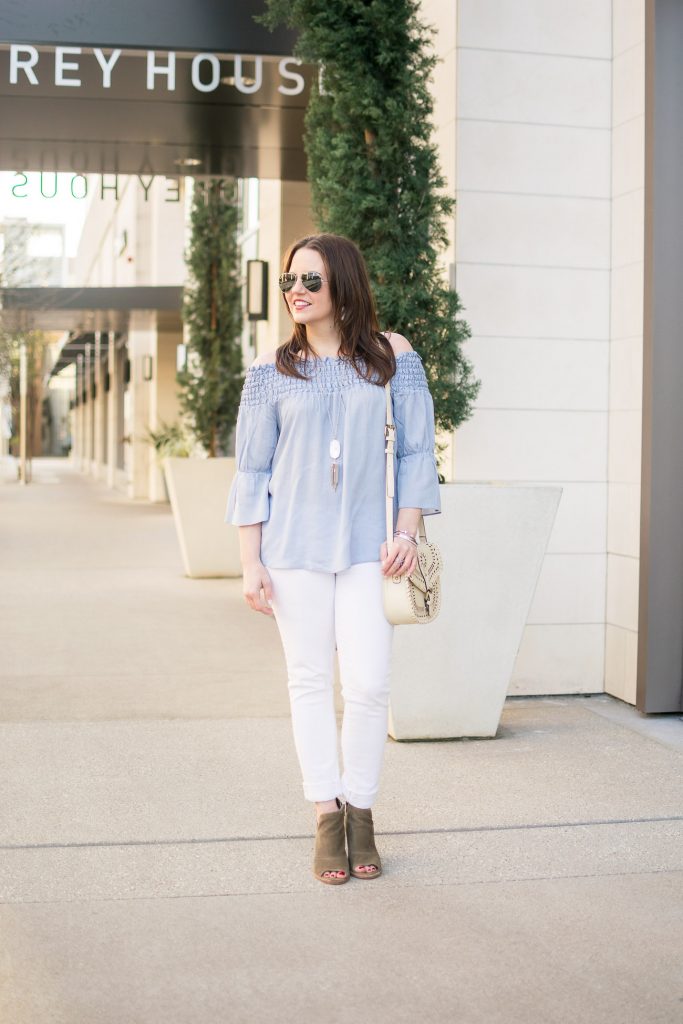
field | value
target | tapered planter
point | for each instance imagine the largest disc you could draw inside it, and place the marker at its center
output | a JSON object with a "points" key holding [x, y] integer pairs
{"points": [[450, 678], [198, 492]]}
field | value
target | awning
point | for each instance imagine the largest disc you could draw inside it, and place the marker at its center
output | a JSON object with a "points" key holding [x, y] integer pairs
{"points": [[82, 310], [75, 346]]}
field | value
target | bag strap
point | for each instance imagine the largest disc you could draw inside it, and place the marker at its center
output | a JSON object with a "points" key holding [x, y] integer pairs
{"points": [[390, 439]]}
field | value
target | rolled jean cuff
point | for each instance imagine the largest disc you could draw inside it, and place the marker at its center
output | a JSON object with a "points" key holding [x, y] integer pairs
{"points": [[360, 800], [319, 791]]}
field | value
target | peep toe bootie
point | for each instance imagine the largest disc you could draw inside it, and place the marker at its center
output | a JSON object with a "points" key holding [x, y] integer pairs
{"points": [[330, 847], [360, 835]]}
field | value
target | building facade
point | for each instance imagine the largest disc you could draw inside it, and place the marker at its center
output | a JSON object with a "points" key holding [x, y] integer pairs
{"points": [[552, 123], [540, 121]]}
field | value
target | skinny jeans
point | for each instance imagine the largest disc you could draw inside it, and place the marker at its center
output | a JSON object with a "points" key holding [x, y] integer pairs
{"points": [[315, 611]]}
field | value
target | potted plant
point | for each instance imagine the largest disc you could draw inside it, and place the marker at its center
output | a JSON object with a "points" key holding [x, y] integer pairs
{"points": [[197, 470]]}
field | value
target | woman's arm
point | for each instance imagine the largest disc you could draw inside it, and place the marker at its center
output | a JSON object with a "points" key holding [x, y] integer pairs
{"points": [[255, 576], [250, 544], [248, 504], [408, 519]]}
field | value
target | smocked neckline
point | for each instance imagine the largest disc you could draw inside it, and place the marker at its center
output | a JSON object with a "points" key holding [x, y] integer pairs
{"points": [[407, 352], [336, 359]]}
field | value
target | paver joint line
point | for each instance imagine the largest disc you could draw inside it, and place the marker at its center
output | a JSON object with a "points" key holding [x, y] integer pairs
{"points": [[307, 835], [305, 892]]}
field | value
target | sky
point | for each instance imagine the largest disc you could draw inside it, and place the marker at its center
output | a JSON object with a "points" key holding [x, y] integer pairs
{"points": [[60, 208]]}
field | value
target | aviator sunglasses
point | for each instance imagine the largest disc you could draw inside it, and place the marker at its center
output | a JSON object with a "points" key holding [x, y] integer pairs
{"points": [[312, 280]]}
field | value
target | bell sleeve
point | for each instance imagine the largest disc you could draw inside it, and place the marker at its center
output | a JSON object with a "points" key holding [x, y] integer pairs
{"points": [[256, 436], [417, 478]]}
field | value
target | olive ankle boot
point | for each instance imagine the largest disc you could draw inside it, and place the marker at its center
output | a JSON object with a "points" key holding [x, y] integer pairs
{"points": [[360, 836], [330, 847]]}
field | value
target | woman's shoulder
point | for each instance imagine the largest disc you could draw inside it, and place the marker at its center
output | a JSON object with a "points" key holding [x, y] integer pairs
{"points": [[398, 342], [410, 373], [265, 358], [260, 384]]}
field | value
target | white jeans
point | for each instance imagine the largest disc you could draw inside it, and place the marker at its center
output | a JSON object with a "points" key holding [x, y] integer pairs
{"points": [[313, 610]]}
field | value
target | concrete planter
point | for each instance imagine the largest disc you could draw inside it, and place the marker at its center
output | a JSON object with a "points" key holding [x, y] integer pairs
{"points": [[198, 492], [450, 678]]}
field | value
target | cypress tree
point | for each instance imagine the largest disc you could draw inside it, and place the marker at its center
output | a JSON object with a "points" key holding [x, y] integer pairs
{"points": [[211, 383], [374, 172]]}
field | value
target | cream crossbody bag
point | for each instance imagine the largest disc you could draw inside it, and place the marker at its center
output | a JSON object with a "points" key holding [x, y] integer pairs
{"points": [[414, 598]]}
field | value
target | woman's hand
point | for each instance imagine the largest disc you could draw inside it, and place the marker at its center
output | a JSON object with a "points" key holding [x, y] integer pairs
{"points": [[256, 577], [399, 549]]}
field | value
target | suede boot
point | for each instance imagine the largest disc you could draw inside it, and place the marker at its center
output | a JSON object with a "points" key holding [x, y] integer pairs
{"points": [[360, 836], [330, 846]]}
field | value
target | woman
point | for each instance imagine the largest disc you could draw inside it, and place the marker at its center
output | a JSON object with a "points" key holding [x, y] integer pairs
{"points": [[309, 498]]}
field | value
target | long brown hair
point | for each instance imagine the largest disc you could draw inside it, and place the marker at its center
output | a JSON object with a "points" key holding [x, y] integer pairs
{"points": [[353, 308]]}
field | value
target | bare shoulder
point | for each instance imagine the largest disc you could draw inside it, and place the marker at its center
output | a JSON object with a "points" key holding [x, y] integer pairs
{"points": [[399, 343], [264, 358]]}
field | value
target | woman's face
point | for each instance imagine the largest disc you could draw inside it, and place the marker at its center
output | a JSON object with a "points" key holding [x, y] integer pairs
{"points": [[309, 307]]}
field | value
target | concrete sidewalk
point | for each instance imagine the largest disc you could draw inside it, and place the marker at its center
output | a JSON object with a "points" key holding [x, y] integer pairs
{"points": [[156, 848]]}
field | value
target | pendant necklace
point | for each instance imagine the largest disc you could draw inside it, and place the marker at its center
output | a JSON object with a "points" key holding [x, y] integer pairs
{"points": [[335, 448]]}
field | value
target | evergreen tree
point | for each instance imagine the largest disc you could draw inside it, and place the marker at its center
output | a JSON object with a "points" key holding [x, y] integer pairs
{"points": [[211, 383], [374, 171]]}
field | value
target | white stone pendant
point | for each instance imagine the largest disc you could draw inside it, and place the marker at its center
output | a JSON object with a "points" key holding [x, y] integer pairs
{"points": [[335, 449]]}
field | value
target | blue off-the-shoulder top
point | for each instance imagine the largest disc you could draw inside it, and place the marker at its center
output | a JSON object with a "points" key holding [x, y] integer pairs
{"points": [[282, 449]]}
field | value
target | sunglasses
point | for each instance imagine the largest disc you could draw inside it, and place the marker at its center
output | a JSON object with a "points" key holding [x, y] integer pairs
{"points": [[312, 281]]}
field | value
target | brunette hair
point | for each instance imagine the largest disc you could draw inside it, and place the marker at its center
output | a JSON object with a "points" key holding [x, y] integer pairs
{"points": [[353, 308]]}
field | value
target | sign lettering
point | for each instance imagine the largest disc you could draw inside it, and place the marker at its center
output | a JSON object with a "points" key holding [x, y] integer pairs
{"points": [[29, 65], [49, 185]]}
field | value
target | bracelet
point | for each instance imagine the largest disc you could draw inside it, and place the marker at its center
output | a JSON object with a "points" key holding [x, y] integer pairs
{"points": [[408, 536]]}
